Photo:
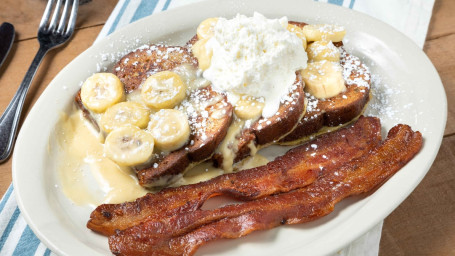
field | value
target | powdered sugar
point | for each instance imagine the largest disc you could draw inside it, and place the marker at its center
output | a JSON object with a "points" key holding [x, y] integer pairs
{"points": [[381, 104], [354, 71], [200, 106]]}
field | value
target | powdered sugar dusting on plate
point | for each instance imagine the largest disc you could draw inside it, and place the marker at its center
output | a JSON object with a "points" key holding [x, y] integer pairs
{"points": [[387, 101]]}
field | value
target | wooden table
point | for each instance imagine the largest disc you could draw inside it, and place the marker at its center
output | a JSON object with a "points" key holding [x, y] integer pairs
{"points": [[424, 224]]}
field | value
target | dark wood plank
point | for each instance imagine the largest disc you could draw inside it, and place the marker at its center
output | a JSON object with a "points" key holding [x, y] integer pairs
{"points": [[442, 54], [424, 224]]}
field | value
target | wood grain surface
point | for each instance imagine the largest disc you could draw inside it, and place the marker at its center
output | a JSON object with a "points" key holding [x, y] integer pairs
{"points": [[424, 224]]}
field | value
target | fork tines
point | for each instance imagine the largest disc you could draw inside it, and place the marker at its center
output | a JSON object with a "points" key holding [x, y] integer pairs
{"points": [[63, 9]]}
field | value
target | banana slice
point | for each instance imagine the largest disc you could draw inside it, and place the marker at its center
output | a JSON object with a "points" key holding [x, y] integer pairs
{"points": [[204, 57], [170, 129], [206, 28], [325, 32], [124, 113], [248, 107], [163, 90], [129, 145], [323, 79], [299, 33], [323, 50], [101, 91]]}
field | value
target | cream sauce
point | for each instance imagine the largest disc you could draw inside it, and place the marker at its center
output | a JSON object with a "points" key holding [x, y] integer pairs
{"points": [[206, 171], [251, 162], [199, 173], [228, 146], [88, 177]]}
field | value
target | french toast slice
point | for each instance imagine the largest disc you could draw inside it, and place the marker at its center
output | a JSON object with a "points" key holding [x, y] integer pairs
{"points": [[136, 66], [209, 113], [331, 113], [323, 115], [209, 116]]}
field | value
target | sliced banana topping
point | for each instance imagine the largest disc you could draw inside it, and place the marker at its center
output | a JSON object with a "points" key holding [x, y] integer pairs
{"points": [[298, 31], [323, 50], [324, 32], [129, 145], [124, 113], [323, 79], [163, 90], [205, 31], [204, 57], [206, 28], [170, 128], [101, 91], [248, 107]]}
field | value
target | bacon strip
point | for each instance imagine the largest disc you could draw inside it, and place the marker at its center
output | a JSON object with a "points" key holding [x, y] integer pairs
{"points": [[297, 168], [298, 206]]}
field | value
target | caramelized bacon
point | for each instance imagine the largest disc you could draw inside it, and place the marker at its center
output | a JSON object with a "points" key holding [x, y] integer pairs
{"points": [[302, 205], [297, 168]]}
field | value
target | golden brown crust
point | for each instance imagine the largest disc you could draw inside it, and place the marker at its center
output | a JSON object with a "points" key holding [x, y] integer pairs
{"points": [[298, 206], [166, 169], [297, 168], [337, 110], [297, 23], [207, 131], [193, 40], [136, 66]]}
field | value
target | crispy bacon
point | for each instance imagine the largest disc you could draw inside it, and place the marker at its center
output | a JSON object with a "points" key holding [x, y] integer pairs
{"points": [[302, 205], [297, 168]]}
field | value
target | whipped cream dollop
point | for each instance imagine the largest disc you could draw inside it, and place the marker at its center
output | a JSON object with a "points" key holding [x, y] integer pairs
{"points": [[255, 56]]}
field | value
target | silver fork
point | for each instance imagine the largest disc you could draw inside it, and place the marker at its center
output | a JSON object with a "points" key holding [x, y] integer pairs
{"points": [[52, 33]]}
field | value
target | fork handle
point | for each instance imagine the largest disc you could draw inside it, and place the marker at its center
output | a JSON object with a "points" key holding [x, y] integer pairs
{"points": [[9, 121]]}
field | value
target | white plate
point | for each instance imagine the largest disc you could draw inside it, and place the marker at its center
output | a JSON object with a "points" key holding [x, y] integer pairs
{"points": [[418, 99]]}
